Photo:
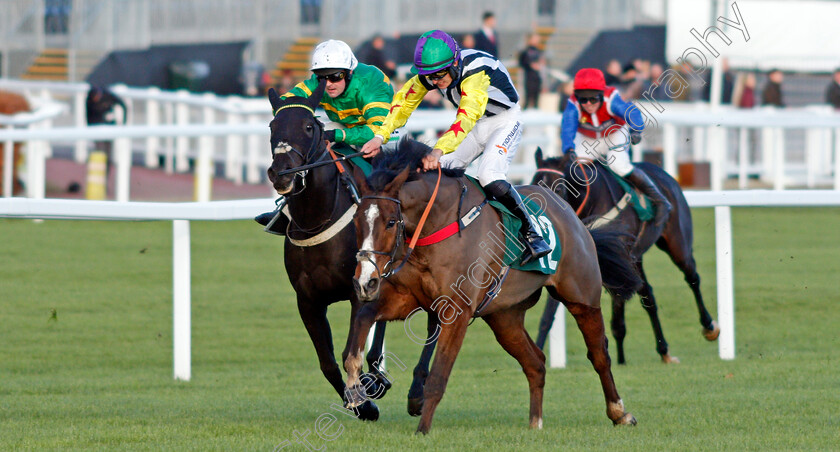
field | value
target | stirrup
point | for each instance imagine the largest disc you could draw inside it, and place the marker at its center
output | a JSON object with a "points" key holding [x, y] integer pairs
{"points": [[279, 203]]}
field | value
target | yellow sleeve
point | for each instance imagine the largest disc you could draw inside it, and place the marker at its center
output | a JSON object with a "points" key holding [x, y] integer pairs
{"points": [[402, 106], [473, 103]]}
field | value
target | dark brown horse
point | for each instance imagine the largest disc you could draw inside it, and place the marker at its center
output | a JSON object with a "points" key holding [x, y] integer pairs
{"points": [[595, 195], [320, 243], [450, 279]]}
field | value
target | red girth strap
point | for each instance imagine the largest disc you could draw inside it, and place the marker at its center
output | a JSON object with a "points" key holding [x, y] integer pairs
{"points": [[439, 236]]}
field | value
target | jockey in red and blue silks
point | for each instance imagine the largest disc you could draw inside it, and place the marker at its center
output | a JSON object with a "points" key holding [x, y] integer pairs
{"points": [[601, 125]]}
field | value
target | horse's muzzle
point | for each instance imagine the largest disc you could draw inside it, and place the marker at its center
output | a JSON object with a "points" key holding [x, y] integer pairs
{"points": [[367, 292]]}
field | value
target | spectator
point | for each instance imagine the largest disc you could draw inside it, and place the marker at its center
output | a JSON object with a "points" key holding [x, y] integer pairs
{"points": [[468, 42], [375, 55], [630, 86], [832, 93], [772, 94], [102, 107], [485, 37], [728, 84], [658, 92], [612, 74], [532, 62], [744, 97]]}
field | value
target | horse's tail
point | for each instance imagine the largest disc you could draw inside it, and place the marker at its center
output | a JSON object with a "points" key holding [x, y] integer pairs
{"points": [[618, 274]]}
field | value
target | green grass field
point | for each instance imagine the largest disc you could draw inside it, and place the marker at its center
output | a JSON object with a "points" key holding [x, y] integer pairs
{"points": [[86, 351]]}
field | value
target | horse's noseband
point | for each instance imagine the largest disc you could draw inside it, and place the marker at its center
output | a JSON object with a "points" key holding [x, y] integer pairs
{"points": [[368, 255]]}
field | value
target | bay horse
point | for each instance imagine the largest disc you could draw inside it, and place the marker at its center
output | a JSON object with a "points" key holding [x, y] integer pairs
{"points": [[320, 242], [447, 279], [594, 195]]}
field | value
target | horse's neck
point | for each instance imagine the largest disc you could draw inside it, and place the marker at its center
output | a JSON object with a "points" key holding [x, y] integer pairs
{"points": [[598, 199], [415, 197], [315, 203]]}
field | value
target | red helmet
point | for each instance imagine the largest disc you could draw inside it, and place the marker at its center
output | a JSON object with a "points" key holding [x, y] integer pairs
{"points": [[590, 78]]}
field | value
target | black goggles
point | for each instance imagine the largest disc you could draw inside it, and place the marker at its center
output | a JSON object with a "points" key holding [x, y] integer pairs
{"points": [[592, 100], [334, 77], [435, 76]]}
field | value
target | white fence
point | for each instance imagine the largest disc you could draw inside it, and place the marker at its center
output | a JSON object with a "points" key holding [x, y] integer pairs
{"points": [[181, 213], [174, 127]]}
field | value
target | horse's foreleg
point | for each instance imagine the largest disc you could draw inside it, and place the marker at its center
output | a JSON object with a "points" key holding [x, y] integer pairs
{"points": [[421, 371], [649, 303], [379, 383], [314, 318], [590, 321], [355, 393], [547, 321], [449, 344]]}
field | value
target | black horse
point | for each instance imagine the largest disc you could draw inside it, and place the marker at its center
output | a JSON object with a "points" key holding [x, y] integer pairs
{"points": [[597, 199], [320, 243]]}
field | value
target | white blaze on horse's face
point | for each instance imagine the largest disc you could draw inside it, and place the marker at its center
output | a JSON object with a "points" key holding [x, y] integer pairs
{"points": [[368, 268], [282, 148]]}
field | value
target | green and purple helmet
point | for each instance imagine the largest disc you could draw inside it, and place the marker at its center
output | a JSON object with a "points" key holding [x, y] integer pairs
{"points": [[435, 51]]}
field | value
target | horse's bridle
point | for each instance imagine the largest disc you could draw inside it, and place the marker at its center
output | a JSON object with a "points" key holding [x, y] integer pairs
{"points": [[367, 255], [312, 147]]}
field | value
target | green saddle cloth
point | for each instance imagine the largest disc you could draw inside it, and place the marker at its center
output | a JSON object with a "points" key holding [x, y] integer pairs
{"points": [[641, 204], [513, 241], [361, 162]]}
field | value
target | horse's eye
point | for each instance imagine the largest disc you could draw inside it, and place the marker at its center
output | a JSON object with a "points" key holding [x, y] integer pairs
{"points": [[309, 128], [391, 224]]}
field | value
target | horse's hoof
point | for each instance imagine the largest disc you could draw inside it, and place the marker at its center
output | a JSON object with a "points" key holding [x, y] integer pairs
{"points": [[375, 386], [368, 411], [415, 406], [668, 359], [627, 419], [712, 334]]}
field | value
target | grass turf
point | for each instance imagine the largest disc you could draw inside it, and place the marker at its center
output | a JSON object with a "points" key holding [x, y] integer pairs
{"points": [[86, 351]]}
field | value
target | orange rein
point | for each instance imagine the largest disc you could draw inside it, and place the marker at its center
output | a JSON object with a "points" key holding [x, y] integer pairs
{"points": [[425, 215], [562, 174]]}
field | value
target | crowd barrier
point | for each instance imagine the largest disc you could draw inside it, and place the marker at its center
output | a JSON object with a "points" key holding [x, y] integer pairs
{"points": [[182, 213]]}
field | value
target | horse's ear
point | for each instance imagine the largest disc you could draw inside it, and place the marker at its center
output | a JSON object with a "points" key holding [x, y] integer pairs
{"points": [[538, 156], [361, 181], [315, 99], [274, 98], [394, 186]]}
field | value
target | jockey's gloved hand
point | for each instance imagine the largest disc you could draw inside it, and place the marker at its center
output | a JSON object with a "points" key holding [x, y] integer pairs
{"points": [[329, 135], [571, 153], [635, 137]]}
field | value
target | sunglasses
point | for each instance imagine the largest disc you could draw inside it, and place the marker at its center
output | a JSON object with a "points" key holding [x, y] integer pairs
{"points": [[587, 100], [437, 75], [333, 78]]}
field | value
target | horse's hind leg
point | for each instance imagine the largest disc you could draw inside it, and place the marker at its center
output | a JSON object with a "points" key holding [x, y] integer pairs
{"points": [[421, 371], [679, 249], [547, 321], [590, 321], [509, 328], [618, 326], [649, 303]]}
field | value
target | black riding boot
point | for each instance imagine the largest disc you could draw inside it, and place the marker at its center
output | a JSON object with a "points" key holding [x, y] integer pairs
{"points": [[275, 222], [641, 181], [504, 192]]}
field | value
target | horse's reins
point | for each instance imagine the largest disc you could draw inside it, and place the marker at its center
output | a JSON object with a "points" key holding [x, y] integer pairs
{"points": [[563, 176]]}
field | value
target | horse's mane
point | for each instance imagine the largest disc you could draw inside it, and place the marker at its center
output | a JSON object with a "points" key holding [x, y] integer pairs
{"points": [[409, 153]]}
